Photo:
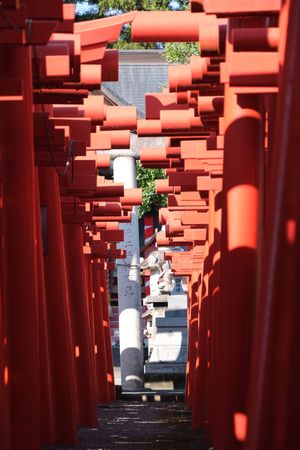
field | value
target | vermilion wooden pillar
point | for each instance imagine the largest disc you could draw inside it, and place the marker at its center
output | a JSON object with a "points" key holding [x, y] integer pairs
{"points": [[100, 356], [242, 148], [109, 359], [215, 201], [5, 419], [209, 322], [199, 404], [19, 263], [62, 349], [274, 400], [5, 422], [193, 338], [46, 386], [90, 302], [81, 325]]}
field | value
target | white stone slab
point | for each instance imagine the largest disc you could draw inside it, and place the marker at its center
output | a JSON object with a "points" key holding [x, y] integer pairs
{"points": [[175, 354]]}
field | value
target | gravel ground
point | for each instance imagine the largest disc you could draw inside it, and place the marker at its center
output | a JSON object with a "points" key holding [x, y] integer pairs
{"points": [[140, 426]]}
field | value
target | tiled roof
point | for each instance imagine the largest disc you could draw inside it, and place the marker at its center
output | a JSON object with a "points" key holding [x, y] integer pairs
{"points": [[140, 71]]}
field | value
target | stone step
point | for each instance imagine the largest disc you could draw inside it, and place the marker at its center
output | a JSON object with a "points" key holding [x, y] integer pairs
{"points": [[159, 385], [164, 368], [163, 298], [169, 321], [152, 396], [170, 354], [175, 312], [164, 312]]}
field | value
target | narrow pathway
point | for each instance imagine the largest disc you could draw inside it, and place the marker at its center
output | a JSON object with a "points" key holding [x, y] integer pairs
{"points": [[140, 426]]}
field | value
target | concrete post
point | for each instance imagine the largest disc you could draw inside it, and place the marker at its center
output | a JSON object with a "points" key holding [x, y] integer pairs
{"points": [[129, 287]]}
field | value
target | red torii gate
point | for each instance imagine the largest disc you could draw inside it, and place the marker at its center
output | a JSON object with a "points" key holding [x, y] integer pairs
{"points": [[231, 156], [227, 156], [59, 220]]}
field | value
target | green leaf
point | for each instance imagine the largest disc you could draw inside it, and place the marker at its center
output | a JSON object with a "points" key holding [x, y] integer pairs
{"points": [[146, 181], [180, 52]]}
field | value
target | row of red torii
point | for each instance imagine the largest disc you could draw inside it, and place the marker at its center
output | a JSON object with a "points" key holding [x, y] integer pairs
{"points": [[230, 119]]}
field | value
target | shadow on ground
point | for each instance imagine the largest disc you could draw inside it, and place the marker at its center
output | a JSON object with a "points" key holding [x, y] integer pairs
{"points": [[140, 426]]}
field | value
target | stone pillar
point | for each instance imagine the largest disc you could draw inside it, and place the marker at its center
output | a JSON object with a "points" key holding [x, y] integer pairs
{"points": [[129, 286]]}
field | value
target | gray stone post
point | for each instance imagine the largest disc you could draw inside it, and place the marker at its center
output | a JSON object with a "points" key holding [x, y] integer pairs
{"points": [[129, 286]]}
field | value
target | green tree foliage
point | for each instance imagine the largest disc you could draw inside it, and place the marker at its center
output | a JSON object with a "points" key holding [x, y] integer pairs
{"points": [[180, 52], [106, 7], [111, 7], [146, 181]]}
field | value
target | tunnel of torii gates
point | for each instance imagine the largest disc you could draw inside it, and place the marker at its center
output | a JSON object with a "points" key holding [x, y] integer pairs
{"points": [[231, 121]]}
